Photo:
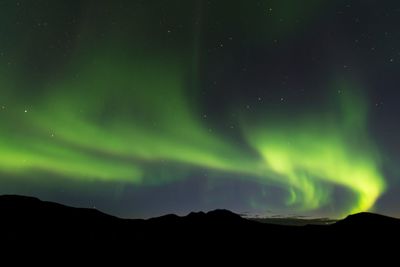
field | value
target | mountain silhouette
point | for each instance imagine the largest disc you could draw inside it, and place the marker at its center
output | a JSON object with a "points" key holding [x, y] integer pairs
{"points": [[30, 222], [366, 219]]}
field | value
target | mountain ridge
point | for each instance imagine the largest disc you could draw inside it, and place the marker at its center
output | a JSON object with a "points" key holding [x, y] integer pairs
{"points": [[28, 202], [30, 222]]}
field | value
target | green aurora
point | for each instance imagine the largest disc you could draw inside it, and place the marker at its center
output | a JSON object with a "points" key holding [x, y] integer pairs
{"points": [[117, 114], [151, 121]]}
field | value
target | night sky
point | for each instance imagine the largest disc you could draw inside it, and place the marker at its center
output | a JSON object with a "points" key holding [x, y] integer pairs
{"points": [[141, 108]]}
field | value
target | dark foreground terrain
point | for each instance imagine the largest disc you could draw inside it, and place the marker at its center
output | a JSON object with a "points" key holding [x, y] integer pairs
{"points": [[28, 223]]}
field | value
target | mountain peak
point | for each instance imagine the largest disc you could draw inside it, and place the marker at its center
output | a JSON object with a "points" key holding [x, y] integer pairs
{"points": [[368, 219]]}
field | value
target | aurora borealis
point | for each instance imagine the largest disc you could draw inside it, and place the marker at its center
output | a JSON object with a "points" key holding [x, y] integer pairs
{"points": [[142, 108]]}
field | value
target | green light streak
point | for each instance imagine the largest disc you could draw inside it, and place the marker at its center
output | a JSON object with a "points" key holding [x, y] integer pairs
{"points": [[317, 149], [150, 121], [110, 115]]}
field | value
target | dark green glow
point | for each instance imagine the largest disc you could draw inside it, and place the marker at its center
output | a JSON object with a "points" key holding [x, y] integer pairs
{"points": [[109, 136], [111, 113]]}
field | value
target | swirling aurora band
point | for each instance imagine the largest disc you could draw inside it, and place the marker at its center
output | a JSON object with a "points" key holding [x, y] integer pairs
{"points": [[110, 136], [104, 92]]}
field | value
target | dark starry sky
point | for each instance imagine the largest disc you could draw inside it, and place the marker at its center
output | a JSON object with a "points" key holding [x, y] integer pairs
{"points": [[142, 108]]}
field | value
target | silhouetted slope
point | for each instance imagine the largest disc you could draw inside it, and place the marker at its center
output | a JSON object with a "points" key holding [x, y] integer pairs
{"points": [[366, 219], [22, 207], [216, 217], [29, 221]]}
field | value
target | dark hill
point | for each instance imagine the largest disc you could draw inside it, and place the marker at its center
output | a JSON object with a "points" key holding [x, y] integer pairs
{"points": [[30, 208], [366, 219], [29, 222]]}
